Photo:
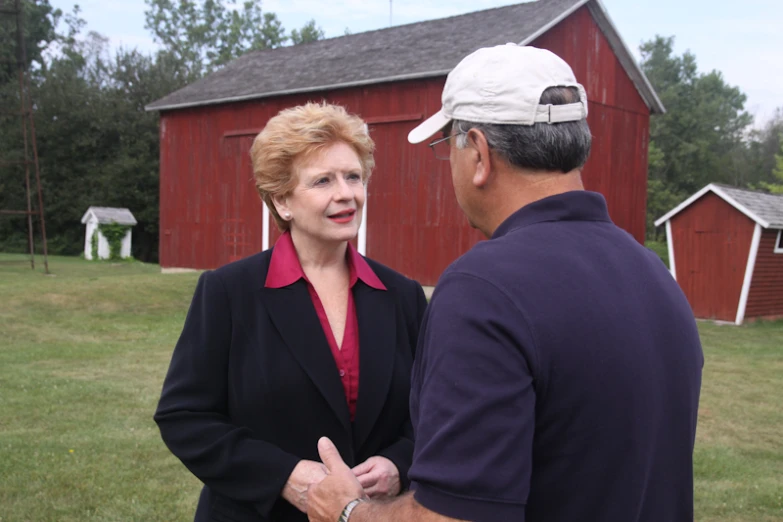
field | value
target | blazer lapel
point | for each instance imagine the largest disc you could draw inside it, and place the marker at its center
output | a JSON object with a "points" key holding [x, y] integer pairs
{"points": [[293, 314], [376, 316]]}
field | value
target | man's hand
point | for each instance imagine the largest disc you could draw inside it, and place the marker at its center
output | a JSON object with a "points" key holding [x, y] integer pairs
{"points": [[327, 499], [305, 475], [379, 477]]}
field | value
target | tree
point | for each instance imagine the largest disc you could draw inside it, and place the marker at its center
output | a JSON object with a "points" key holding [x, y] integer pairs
{"points": [[661, 198], [776, 187], [309, 33], [762, 151], [96, 143], [204, 35], [778, 172], [702, 138], [39, 20]]}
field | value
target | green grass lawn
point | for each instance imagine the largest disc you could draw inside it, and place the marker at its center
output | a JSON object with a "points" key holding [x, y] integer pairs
{"points": [[83, 353]]}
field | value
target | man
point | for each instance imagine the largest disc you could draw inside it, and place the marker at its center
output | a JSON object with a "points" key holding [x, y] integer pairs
{"points": [[559, 366]]}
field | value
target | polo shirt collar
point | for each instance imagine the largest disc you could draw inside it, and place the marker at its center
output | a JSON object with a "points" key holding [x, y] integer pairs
{"points": [[577, 205]]}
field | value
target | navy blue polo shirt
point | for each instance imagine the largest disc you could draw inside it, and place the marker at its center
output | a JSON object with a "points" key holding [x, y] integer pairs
{"points": [[557, 376]]}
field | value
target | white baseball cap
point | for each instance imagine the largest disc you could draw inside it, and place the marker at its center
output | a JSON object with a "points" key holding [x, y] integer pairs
{"points": [[503, 85]]}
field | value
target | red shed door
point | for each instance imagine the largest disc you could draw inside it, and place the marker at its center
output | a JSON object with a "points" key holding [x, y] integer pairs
{"points": [[710, 282]]}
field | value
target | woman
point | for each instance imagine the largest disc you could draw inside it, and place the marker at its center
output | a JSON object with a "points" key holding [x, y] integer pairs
{"points": [[304, 340]]}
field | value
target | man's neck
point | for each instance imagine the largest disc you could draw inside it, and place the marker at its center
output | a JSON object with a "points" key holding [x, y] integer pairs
{"points": [[520, 188]]}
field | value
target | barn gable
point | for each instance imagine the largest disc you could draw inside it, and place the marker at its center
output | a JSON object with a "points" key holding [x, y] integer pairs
{"points": [[412, 51]]}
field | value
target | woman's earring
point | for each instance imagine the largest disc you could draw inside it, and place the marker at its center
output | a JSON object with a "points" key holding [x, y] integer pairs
{"points": [[288, 215]]}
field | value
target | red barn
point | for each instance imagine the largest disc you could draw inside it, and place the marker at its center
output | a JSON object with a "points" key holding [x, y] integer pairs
{"points": [[210, 213], [726, 252]]}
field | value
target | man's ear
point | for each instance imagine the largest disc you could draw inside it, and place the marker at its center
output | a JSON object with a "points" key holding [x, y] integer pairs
{"points": [[483, 160]]}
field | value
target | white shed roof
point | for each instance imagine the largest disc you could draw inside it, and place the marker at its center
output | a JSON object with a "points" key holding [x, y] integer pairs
{"points": [[105, 215]]}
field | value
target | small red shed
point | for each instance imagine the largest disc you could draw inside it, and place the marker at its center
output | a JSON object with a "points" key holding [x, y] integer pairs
{"points": [[726, 252], [210, 213]]}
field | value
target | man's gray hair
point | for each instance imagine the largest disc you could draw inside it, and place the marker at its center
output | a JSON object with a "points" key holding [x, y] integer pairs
{"points": [[542, 146]]}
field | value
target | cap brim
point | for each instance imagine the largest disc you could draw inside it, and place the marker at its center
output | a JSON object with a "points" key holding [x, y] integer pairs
{"points": [[428, 127]]}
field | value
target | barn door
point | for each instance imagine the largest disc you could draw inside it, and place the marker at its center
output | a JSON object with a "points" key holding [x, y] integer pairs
{"points": [[239, 209]]}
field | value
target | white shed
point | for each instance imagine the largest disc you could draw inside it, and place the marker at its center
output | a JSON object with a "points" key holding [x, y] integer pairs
{"points": [[103, 216]]}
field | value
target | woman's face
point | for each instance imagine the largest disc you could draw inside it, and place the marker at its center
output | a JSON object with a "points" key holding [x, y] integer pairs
{"points": [[326, 205]]}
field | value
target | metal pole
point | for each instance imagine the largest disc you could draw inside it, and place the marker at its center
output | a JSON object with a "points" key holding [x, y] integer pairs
{"points": [[20, 70], [32, 136], [40, 188]]}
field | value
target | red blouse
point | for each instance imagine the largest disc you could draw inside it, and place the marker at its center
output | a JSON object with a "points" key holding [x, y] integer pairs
{"points": [[285, 269]]}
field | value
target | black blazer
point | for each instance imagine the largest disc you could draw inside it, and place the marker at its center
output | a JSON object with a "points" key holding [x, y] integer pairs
{"points": [[253, 385]]}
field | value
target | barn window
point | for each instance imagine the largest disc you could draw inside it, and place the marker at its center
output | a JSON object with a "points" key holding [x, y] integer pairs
{"points": [[779, 243]]}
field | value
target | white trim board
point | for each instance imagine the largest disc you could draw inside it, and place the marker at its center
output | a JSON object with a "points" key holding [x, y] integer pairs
{"points": [[778, 249], [717, 191], [300, 90], [559, 18], [362, 240], [754, 250], [670, 245], [176, 270], [265, 232]]}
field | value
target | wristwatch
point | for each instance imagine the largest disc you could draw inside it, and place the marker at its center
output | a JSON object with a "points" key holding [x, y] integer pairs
{"points": [[348, 508]]}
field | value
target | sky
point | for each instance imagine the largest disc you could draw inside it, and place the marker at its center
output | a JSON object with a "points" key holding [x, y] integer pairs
{"points": [[742, 40]]}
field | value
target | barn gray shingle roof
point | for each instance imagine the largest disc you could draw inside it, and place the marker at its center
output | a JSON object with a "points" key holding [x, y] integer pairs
{"points": [[765, 209], [105, 215], [419, 50]]}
